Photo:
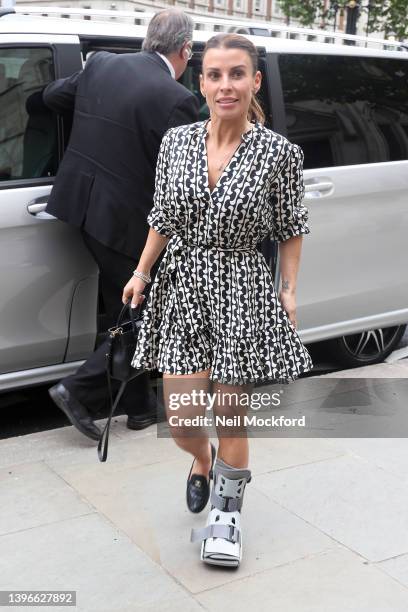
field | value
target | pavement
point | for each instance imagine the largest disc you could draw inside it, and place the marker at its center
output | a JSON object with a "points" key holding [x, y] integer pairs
{"points": [[325, 522]]}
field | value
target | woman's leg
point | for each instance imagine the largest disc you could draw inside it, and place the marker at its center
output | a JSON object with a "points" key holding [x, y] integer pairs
{"points": [[193, 440], [232, 403], [222, 536]]}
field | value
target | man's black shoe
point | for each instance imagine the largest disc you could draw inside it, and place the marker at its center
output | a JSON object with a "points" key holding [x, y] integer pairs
{"points": [[141, 421], [76, 412]]}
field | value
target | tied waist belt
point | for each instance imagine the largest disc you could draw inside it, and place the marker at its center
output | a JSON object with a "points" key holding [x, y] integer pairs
{"points": [[177, 245], [219, 248]]}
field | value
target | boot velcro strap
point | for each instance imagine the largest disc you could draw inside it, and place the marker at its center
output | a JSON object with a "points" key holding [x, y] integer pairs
{"points": [[227, 504], [228, 532]]}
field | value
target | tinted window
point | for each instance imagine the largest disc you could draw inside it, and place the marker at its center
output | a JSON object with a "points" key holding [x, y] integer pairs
{"points": [[28, 130], [191, 76], [346, 110]]}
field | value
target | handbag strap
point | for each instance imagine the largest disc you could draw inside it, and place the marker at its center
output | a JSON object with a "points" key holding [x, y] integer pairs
{"points": [[104, 439]]}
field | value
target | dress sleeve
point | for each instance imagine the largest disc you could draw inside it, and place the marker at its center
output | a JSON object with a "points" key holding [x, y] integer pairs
{"points": [[160, 216], [289, 215]]}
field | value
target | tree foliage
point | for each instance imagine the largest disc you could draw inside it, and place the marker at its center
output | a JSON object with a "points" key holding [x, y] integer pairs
{"points": [[389, 16], [395, 16], [304, 11]]}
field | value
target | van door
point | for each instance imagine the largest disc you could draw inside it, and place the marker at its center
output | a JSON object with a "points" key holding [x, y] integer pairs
{"points": [[42, 260], [350, 116]]}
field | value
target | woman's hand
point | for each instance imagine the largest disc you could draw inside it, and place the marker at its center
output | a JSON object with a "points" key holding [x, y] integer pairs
{"points": [[133, 290], [288, 301]]}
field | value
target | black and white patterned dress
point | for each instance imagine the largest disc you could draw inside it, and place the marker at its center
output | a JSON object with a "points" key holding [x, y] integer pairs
{"points": [[213, 302]]}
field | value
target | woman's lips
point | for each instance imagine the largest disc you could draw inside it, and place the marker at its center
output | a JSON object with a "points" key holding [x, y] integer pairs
{"points": [[227, 101]]}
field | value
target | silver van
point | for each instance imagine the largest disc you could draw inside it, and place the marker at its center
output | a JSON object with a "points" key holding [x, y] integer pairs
{"points": [[346, 105]]}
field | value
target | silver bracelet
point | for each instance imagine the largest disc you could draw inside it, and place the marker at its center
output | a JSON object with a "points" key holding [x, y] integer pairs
{"points": [[145, 277]]}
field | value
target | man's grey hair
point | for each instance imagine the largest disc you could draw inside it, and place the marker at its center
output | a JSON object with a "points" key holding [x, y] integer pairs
{"points": [[168, 30]]}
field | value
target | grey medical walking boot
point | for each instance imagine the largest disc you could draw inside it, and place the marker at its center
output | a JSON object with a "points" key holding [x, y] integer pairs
{"points": [[221, 537]]}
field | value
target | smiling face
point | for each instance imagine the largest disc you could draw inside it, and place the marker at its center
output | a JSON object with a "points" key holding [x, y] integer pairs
{"points": [[228, 82]]}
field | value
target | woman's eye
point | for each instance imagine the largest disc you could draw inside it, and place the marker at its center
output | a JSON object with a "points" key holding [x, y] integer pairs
{"points": [[237, 74]]}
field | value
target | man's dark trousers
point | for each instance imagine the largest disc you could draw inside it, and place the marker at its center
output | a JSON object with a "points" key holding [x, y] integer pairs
{"points": [[89, 384]]}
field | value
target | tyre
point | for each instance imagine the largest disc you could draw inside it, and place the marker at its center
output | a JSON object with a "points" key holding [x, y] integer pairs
{"points": [[367, 347]]}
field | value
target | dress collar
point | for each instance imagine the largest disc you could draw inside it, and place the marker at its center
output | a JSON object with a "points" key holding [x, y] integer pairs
{"points": [[246, 137]]}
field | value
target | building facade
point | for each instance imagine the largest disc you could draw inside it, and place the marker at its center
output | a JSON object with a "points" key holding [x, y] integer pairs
{"points": [[257, 10]]}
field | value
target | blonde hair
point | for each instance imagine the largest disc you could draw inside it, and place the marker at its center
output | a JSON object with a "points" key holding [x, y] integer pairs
{"points": [[237, 41]]}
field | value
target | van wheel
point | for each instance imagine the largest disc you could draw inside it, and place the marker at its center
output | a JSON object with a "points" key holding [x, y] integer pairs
{"points": [[365, 348]]}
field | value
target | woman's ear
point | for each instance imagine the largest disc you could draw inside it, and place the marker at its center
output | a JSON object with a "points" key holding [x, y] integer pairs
{"points": [[257, 81], [202, 89]]}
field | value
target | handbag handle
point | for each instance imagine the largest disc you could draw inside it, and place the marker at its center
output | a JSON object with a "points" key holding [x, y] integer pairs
{"points": [[131, 314]]}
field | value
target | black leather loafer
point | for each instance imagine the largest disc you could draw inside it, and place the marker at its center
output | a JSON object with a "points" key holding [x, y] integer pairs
{"points": [[198, 487], [141, 421], [76, 412]]}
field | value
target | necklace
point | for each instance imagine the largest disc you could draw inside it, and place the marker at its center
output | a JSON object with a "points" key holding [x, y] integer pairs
{"points": [[223, 162], [220, 167]]}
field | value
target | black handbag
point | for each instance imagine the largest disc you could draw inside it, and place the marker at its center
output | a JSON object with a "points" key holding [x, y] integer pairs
{"points": [[122, 341]]}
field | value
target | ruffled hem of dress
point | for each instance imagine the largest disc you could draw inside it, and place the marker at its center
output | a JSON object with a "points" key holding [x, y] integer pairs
{"points": [[262, 358]]}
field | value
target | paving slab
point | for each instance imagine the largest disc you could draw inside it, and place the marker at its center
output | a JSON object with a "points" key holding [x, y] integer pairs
{"points": [[396, 567], [354, 502], [148, 504], [389, 454], [33, 494], [41, 445], [91, 556], [268, 455], [378, 370], [335, 580]]}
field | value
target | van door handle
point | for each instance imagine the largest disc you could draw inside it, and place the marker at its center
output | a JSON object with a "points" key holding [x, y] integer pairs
{"points": [[318, 188], [37, 208]]}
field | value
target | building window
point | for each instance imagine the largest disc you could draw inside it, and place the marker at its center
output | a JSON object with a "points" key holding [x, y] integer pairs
{"points": [[259, 6], [239, 5], [276, 9], [87, 6], [220, 3]]}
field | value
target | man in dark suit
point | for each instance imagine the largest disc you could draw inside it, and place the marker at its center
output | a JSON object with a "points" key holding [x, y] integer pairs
{"points": [[122, 105]]}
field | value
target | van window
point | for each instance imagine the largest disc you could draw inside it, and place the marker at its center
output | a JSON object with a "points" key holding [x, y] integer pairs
{"points": [[190, 78], [28, 129], [346, 110]]}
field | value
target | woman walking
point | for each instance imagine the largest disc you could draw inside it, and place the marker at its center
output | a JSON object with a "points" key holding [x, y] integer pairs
{"points": [[213, 320]]}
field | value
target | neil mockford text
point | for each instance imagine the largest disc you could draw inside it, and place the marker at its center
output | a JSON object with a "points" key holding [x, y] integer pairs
{"points": [[253, 420], [225, 405]]}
